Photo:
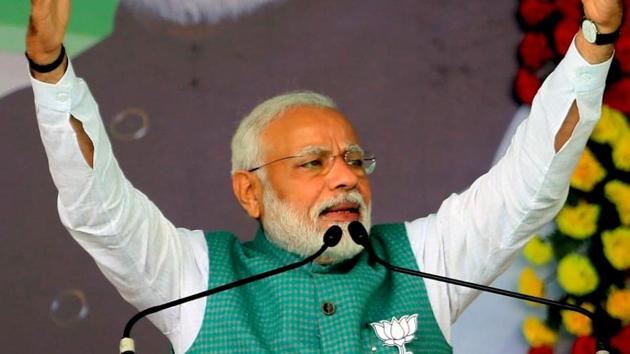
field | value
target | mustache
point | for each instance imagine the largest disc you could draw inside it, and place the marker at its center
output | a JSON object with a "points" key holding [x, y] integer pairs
{"points": [[350, 197]]}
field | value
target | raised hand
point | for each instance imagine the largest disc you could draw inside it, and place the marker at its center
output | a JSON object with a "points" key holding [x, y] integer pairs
{"points": [[607, 14], [46, 30]]}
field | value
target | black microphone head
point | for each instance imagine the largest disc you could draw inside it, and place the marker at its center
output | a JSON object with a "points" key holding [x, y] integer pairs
{"points": [[332, 236], [358, 233]]}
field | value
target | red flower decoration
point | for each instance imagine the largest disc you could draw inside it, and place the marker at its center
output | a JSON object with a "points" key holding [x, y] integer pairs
{"points": [[570, 9], [563, 34], [534, 50], [586, 345], [526, 85], [617, 95], [583, 345], [621, 341], [540, 350], [535, 11], [622, 51]]}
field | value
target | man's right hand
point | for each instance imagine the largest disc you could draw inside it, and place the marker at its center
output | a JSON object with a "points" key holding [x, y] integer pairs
{"points": [[44, 37]]}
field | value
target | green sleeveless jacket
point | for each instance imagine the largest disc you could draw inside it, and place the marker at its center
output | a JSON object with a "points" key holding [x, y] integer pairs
{"points": [[316, 309]]}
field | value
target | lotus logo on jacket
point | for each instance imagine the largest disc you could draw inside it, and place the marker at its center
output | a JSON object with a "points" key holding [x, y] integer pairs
{"points": [[397, 332]]}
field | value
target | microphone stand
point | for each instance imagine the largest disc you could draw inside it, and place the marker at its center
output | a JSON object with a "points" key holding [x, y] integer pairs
{"points": [[127, 346], [360, 236]]}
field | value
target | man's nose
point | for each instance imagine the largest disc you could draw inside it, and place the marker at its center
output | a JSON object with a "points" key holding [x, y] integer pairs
{"points": [[341, 176]]}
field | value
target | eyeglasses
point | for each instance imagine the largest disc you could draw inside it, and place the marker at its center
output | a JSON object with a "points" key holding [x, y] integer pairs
{"points": [[320, 162]]}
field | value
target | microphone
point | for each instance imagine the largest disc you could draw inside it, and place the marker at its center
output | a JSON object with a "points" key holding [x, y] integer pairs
{"points": [[332, 236], [360, 236]]}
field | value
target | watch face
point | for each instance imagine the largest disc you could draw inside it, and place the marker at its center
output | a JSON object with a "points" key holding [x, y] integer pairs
{"points": [[589, 30]]}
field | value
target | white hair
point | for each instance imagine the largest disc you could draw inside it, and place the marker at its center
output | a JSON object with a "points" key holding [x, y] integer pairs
{"points": [[194, 12], [246, 147]]}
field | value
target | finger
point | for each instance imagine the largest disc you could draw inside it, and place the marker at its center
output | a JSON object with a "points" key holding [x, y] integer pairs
{"points": [[39, 7], [39, 3]]}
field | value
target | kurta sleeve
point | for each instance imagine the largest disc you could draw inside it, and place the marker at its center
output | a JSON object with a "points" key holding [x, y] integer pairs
{"points": [[476, 234], [147, 259]]}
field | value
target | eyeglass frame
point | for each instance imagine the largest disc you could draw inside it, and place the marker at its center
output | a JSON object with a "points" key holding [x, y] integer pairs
{"points": [[353, 148]]}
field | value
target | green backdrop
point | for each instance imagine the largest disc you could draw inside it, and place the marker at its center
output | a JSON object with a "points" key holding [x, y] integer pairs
{"points": [[91, 21]]}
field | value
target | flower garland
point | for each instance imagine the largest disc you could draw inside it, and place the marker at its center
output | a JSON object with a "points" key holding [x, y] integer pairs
{"points": [[590, 247]]}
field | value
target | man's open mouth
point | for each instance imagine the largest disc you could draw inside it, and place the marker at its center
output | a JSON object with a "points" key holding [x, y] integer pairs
{"points": [[342, 212]]}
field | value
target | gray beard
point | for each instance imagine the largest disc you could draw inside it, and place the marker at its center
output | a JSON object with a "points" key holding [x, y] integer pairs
{"points": [[195, 12], [299, 234]]}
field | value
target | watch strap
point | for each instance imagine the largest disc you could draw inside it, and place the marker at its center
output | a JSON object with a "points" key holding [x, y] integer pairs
{"points": [[607, 38]]}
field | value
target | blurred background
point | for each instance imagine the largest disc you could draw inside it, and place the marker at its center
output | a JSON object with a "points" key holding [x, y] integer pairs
{"points": [[430, 87]]}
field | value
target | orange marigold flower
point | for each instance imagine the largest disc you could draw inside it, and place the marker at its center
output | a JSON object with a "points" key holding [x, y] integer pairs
{"points": [[588, 172], [576, 323], [530, 284], [537, 333], [618, 304]]}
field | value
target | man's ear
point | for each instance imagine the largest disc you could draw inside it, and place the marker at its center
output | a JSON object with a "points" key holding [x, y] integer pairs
{"points": [[248, 191]]}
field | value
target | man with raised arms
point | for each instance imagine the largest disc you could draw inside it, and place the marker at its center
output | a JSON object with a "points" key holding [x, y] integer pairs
{"points": [[298, 168]]}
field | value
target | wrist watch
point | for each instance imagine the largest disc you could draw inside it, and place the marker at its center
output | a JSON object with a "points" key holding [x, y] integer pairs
{"points": [[592, 35]]}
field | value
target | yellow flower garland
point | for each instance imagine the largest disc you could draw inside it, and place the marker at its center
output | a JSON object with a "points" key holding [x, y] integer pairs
{"points": [[537, 251], [578, 221], [619, 194], [621, 152], [577, 275], [617, 247], [610, 127]]}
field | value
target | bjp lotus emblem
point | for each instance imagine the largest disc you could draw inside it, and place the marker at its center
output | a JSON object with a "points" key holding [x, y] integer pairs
{"points": [[397, 332]]}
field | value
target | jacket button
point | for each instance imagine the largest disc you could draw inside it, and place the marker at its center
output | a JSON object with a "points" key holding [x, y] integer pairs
{"points": [[328, 308]]}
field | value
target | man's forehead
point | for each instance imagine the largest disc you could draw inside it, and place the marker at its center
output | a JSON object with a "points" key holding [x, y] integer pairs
{"points": [[310, 112], [309, 127]]}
